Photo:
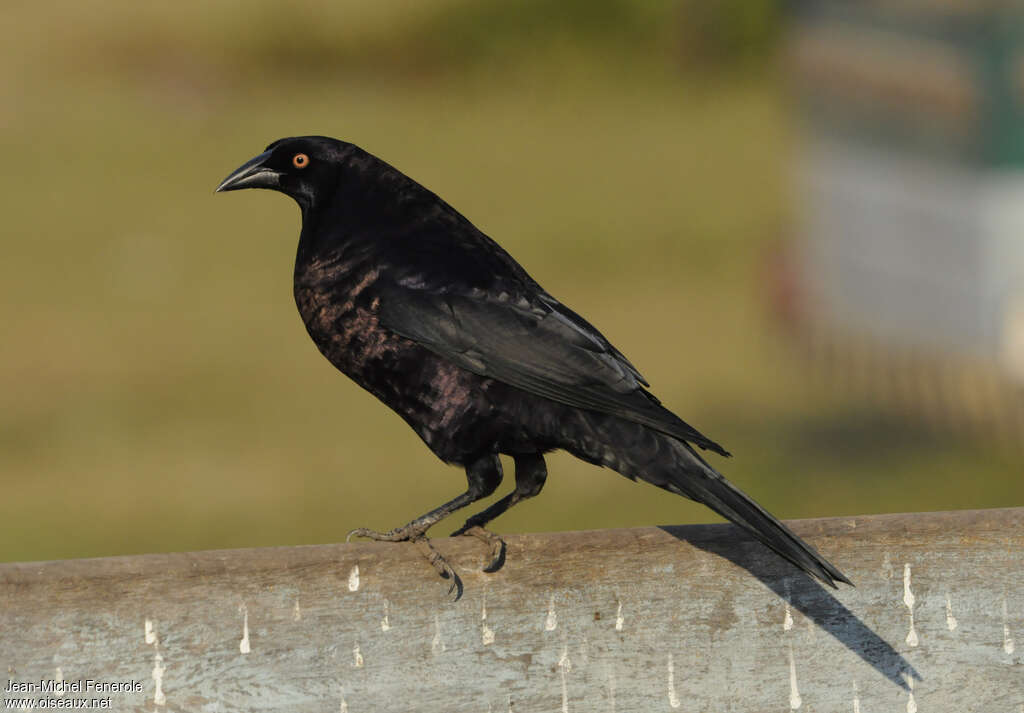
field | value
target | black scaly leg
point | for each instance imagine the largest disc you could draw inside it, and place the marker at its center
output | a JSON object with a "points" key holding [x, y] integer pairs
{"points": [[484, 476], [531, 472]]}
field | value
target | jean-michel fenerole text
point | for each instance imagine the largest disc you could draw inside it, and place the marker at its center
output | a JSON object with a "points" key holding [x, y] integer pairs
{"points": [[87, 685]]}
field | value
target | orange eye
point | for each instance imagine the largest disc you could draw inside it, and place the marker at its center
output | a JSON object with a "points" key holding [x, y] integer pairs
{"points": [[300, 160]]}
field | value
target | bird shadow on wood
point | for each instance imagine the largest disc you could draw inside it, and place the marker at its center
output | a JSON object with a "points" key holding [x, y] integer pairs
{"points": [[803, 593]]}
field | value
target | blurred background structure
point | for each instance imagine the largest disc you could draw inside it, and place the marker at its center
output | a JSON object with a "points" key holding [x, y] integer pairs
{"points": [[648, 163], [911, 177]]}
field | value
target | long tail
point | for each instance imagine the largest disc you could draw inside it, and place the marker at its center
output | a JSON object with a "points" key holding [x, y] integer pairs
{"points": [[641, 453]]}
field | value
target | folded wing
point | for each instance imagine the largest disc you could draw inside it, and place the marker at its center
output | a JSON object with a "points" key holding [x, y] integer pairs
{"points": [[534, 343]]}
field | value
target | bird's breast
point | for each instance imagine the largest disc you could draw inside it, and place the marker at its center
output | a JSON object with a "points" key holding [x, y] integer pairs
{"points": [[340, 314]]}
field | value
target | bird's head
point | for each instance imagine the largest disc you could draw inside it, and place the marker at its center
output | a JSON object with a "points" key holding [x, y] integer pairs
{"points": [[303, 167]]}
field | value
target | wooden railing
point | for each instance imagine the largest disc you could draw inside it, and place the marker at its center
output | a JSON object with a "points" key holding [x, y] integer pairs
{"points": [[695, 618]]}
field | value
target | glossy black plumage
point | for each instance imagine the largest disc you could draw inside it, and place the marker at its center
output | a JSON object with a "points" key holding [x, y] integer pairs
{"points": [[405, 296]]}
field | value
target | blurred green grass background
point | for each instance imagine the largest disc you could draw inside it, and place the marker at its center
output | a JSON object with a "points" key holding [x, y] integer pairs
{"points": [[157, 389]]}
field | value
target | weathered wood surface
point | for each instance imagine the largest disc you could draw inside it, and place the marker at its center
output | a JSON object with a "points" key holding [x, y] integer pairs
{"points": [[695, 618]]}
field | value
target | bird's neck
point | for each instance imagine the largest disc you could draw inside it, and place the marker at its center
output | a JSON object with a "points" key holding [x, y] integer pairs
{"points": [[332, 247], [314, 242]]}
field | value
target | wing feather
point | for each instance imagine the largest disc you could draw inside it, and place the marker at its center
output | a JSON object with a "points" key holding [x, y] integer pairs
{"points": [[536, 344]]}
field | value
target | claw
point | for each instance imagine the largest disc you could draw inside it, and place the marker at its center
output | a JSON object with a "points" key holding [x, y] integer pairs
{"points": [[440, 564], [498, 560], [456, 587], [358, 532]]}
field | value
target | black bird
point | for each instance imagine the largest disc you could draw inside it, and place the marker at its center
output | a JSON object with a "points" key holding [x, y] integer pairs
{"points": [[416, 305]]}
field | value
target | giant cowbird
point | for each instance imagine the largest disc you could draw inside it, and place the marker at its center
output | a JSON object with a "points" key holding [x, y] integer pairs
{"points": [[416, 305]]}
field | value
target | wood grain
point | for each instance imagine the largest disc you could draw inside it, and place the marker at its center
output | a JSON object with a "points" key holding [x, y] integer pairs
{"points": [[696, 618]]}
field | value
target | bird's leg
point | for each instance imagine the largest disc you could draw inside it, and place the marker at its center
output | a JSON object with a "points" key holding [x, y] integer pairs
{"points": [[531, 472], [483, 476], [416, 529]]}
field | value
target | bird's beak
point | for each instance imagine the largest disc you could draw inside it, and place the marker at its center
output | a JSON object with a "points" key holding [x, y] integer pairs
{"points": [[251, 174]]}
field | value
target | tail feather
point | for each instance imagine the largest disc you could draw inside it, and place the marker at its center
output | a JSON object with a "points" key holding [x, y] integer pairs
{"points": [[713, 490], [641, 453]]}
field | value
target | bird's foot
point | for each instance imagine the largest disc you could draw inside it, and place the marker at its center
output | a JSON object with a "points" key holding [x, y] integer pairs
{"points": [[492, 540], [399, 534], [415, 535], [440, 565]]}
